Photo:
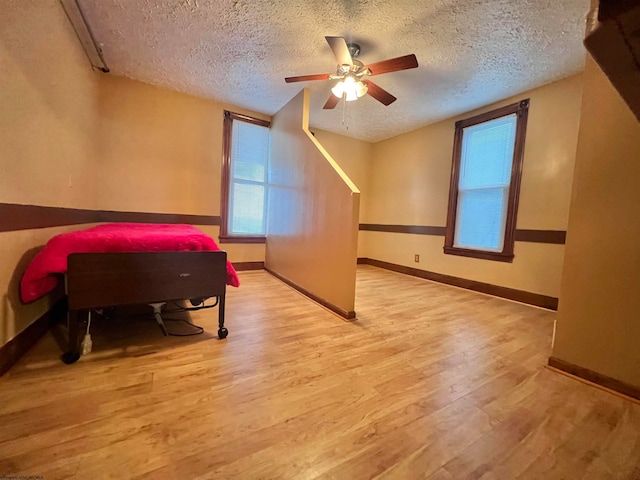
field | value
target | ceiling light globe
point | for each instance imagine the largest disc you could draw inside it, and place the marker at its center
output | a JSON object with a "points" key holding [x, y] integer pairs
{"points": [[350, 88], [338, 90], [349, 82]]}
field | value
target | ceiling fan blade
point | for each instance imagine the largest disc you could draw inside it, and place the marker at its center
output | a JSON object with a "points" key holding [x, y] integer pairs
{"points": [[340, 50], [393, 64], [304, 78], [331, 102], [379, 93]]}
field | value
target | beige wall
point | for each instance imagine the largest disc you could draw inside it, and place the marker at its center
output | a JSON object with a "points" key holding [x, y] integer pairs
{"points": [[161, 151], [313, 211], [354, 157], [48, 100], [409, 185], [599, 312]]}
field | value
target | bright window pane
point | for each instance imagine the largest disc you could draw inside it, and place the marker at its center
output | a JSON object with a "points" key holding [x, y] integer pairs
{"points": [[249, 151], [247, 209], [481, 219], [485, 173], [487, 153], [249, 164]]}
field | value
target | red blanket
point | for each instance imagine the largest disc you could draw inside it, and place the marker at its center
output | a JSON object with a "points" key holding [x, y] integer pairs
{"points": [[38, 279]]}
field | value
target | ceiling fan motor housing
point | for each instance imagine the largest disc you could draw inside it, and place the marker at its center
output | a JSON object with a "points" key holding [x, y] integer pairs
{"points": [[354, 49]]}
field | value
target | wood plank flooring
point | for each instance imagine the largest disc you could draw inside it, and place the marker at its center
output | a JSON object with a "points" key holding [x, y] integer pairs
{"points": [[429, 382]]}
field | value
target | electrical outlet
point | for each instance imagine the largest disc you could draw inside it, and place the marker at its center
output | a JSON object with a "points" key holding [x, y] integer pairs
{"points": [[416, 258]]}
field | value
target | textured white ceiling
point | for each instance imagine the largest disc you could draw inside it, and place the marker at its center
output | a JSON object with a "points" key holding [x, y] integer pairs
{"points": [[471, 52]]}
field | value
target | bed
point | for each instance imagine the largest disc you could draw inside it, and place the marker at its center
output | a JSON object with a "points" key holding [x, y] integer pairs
{"points": [[125, 264]]}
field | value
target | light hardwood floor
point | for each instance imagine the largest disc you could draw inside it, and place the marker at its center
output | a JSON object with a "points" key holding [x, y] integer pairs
{"points": [[430, 382]]}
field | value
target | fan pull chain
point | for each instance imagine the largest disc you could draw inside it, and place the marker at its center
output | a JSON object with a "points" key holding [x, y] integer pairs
{"points": [[344, 111], [344, 106]]}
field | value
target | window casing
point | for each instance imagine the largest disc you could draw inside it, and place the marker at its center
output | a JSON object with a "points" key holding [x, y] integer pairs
{"points": [[245, 163], [485, 183]]}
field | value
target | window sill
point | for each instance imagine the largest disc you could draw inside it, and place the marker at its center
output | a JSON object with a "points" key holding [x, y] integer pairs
{"points": [[243, 239], [465, 252]]}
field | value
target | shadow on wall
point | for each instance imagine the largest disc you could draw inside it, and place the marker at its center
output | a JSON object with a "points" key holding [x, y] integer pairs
{"points": [[16, 316]]}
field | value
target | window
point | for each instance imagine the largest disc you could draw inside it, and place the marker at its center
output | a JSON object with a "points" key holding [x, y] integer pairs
{"points": [[244, 178], [485, 183]]}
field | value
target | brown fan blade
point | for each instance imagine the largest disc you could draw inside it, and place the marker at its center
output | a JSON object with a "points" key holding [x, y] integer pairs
{"points": [[393, 64], [340, 50], [379, 93], [331, 102], [304, 78]]}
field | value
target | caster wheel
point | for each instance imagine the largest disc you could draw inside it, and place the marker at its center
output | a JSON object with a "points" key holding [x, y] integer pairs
{"points": [[222, 333], [196, 301], [70, 357]]}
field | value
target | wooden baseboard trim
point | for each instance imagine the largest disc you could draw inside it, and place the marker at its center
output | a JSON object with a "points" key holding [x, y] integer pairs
{"points": [[334, 308], [596, 378], [14, 349], [522, 296], [27, 217], [243, 266]]}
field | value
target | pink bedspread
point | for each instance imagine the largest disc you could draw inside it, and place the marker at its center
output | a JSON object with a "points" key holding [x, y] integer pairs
{"points": [[38, 279]]}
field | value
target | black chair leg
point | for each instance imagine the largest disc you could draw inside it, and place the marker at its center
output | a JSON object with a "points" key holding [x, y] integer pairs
{"points": [[73, 350], [222, 331]]}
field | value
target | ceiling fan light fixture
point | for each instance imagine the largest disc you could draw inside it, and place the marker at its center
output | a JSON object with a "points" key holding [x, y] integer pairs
{"points": [[350, 71], [350, 88]]}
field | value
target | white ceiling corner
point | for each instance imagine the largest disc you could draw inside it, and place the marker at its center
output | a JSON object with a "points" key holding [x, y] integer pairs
{"points": [[471, 52]]}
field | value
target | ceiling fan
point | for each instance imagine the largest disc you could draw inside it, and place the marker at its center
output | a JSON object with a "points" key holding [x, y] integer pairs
{"points": [[352, 74]]}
